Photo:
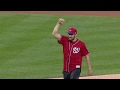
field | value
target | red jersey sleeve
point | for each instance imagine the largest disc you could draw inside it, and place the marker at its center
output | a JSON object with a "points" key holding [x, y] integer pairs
{"points": [[84, 50], [62, 40]]}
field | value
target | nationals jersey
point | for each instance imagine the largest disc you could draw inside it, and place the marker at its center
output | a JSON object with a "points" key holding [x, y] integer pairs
{"points": [[73, 53]]}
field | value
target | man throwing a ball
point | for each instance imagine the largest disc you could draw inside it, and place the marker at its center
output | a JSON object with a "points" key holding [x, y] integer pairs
{"points": [[73, 51]]}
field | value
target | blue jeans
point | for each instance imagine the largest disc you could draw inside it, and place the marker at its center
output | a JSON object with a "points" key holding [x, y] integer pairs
{"points": [[75, 74]]}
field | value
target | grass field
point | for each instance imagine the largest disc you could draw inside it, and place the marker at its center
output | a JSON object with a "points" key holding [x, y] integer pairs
{"points": [[29, 51]]}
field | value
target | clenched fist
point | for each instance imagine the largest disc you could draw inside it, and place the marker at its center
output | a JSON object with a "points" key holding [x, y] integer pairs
{"points": [[61, 21]]}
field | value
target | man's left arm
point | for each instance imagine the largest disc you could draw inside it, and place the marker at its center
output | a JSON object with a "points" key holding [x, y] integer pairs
{"points": [[89, 65]]}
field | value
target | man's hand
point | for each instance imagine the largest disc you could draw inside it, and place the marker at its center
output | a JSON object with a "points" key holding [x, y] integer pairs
{"points": [[61, 21], [90, 72]]}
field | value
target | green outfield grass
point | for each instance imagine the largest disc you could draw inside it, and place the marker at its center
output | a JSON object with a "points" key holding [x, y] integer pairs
{"points": [[29, 51]]}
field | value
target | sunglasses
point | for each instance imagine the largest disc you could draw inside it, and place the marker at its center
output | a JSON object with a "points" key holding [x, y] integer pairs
{"points": [[71, 34]]}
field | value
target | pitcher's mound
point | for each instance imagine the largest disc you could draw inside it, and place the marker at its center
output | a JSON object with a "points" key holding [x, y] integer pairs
{"points": [[109, 76]]}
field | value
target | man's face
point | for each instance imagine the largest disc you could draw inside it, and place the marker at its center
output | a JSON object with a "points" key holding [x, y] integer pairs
{"points": [[71, 37]]}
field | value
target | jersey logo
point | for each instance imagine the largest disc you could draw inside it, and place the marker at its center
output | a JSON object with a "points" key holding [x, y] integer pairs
{"points": [[76, 50]]}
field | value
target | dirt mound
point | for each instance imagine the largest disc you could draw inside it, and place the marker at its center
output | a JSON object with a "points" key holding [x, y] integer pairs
{"points": [[109, 76]]}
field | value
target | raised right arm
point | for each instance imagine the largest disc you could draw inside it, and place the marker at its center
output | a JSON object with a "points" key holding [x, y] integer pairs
{"points": [[56, 28]]}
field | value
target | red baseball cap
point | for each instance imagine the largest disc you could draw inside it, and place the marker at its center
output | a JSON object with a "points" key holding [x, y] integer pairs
{"points": [[72, 31]]}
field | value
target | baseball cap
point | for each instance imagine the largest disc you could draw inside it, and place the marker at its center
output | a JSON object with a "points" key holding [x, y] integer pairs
{"points": [[72, 31]]}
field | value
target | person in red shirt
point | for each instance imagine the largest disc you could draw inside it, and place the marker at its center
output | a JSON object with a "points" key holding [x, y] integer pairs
{"points": [[73, 51]]}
